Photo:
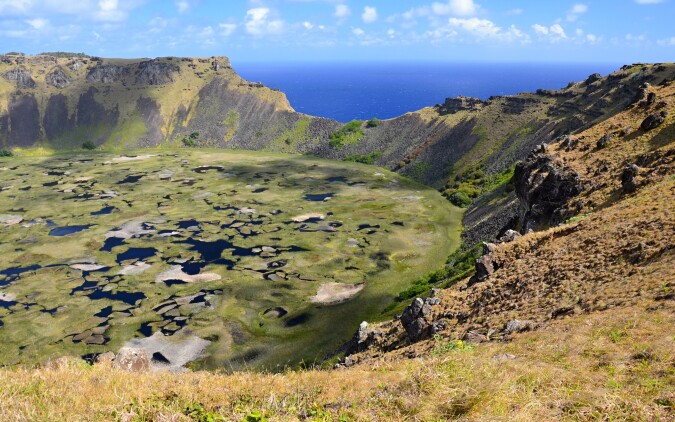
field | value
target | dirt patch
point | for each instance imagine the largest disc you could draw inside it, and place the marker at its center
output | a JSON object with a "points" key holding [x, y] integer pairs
{"points": [[336, 293]]}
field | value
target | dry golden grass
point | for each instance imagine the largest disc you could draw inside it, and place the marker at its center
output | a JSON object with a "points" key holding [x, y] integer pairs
{"points": [[614, 365]]}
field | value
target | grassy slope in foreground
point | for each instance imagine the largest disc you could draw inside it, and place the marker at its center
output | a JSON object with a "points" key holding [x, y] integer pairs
{"points": [[615, 365], [402, 229]]}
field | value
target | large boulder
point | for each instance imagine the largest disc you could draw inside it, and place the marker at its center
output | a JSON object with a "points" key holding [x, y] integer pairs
{"points": [[417, 319], [544, 185], [132, 360], [654, 120], [628, 178]]}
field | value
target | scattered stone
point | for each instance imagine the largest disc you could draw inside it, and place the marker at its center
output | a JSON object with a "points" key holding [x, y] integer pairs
{"points": [[130, 229], [10, 219], [352, 243], [87, 267], [628, 178], [276, 312], [305, 217], [204, 195], [509, 236], [336, 293], [105, 358], [178, 349], [95, 339], [518, 326], [247, 210], [176, 273], [604, 140], [503, 357], [654, 120], [7, 297], [136, 268], [126, 158]]}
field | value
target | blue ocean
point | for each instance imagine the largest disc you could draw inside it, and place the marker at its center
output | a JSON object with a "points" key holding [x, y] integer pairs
{"points": [[347, 91]]}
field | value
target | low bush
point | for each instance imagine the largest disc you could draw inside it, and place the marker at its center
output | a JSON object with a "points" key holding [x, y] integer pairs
{"points": [[364, 159], [89, 145], [348, 134]]}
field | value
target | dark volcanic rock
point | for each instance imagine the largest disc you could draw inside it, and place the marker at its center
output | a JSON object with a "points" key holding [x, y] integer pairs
{"points": [[154, 72], [107, 73], [628, 182], [24, 119], [604, 140], [544, 186], [58, 78], [417, 319], [56, 121], [654, 120], [22, 76], [453, 105]]}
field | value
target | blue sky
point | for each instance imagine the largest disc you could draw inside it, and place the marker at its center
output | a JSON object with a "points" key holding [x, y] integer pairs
{"points": [[619, 31]]}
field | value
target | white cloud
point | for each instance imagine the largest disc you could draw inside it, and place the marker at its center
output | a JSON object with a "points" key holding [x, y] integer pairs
{"points": [[558, 30], [540, 29], [342, 11], [369, 14], [455, 7], [307, 25], [515, 12], [575, 11], [649, 1], [554, 32], [591, 38], [109, 11], [666, 41], [258, 22], [227, 29], [182, 6], [15, 6], [486, 29], [38, 23], [358, 32]]}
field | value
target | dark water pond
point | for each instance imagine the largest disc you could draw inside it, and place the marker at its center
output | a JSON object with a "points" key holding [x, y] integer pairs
{"points": [[68, 230]]}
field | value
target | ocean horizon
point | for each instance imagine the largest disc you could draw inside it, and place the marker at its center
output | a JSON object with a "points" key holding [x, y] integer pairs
{"points": [[361, 90]]}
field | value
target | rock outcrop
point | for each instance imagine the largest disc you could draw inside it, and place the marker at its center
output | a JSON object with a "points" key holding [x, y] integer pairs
{"points": [[155, 72], [544, 185], [107, 73], [654, 120], [58, 78], [453, 105], [628, 178], [418, 319], [22, 76]]}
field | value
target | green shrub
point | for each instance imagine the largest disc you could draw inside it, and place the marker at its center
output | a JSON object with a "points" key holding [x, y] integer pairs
{"points": [[459, 265], [461, 199], [89, 145], [374, 122], [191, 139], [364, 159], [348, 134], [6, 153]]}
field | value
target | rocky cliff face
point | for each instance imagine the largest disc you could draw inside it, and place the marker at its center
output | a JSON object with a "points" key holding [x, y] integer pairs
{"points": [[63, 102]]}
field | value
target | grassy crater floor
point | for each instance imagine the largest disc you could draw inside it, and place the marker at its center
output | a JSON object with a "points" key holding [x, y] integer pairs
{"points": [[226, 259]]}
